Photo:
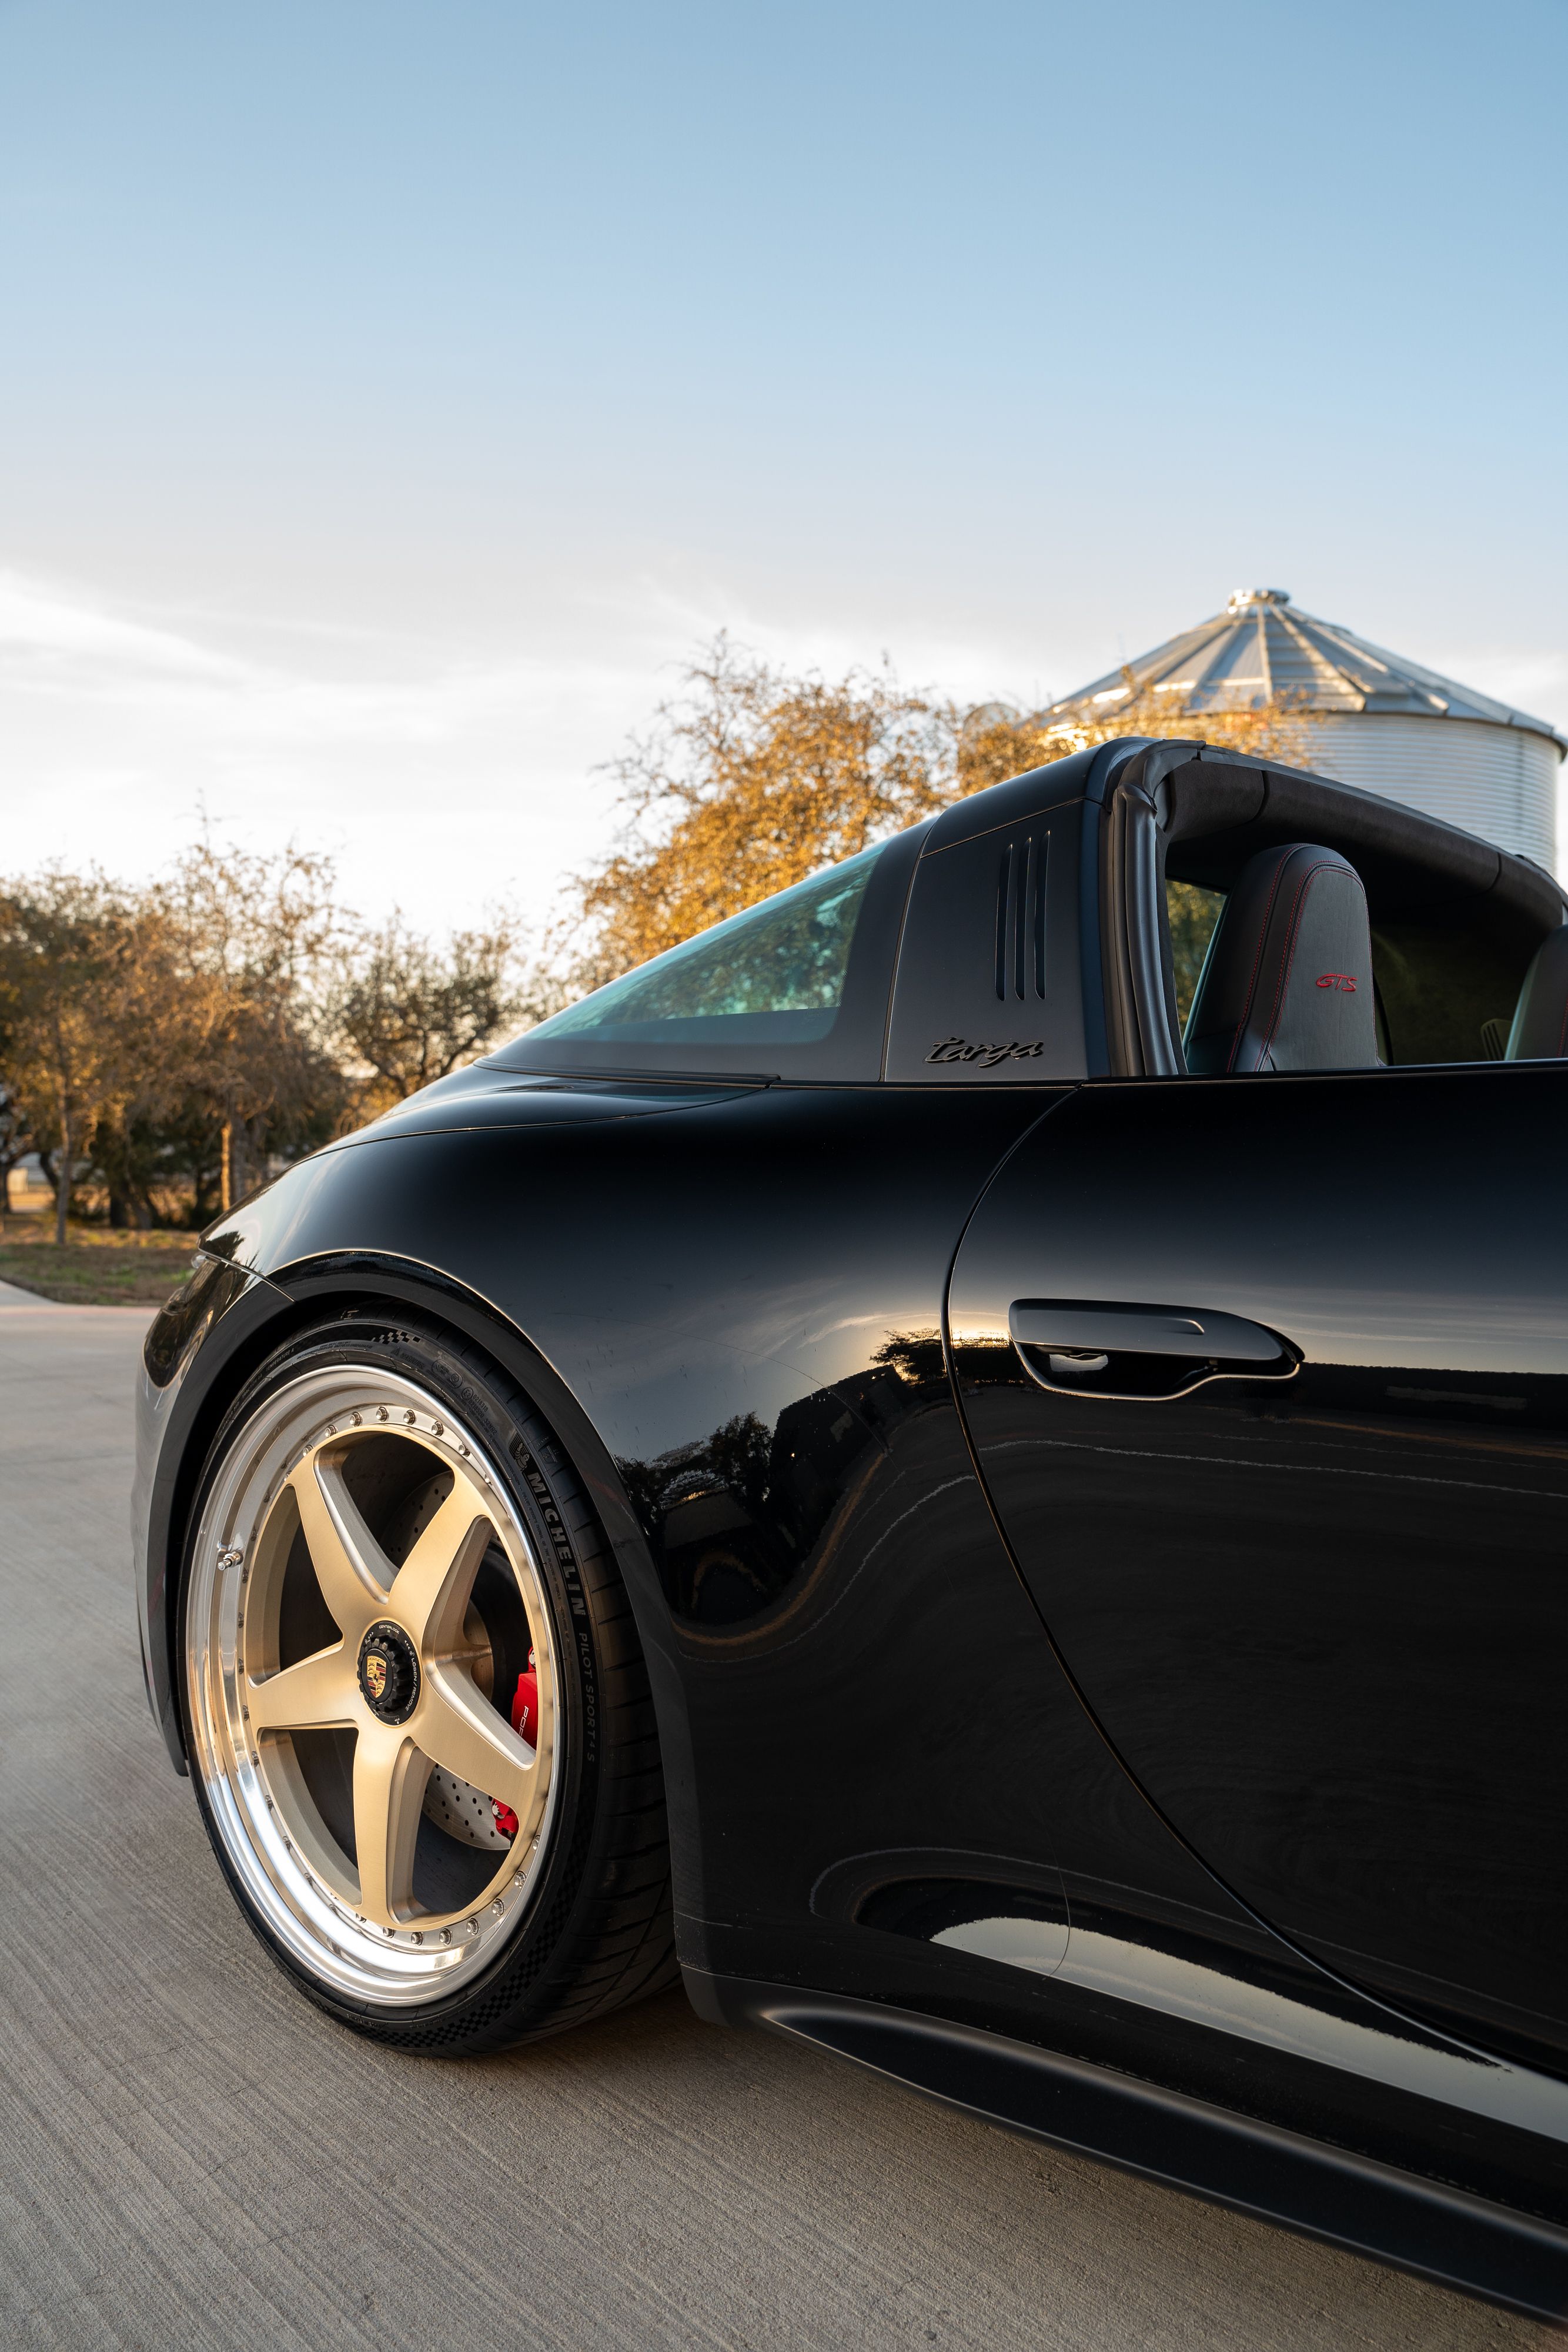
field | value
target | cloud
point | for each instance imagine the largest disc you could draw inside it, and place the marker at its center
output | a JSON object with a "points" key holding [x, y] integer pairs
{"points": [[48, 640], [440, 782], [443, 776]]}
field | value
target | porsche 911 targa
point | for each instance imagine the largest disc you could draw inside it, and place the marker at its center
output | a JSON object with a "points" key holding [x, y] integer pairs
{"points": [[869, 1469]]}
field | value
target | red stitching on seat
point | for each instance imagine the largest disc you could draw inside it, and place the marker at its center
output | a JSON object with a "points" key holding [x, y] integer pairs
{"points": [[1292, 934], [1262, 935]]}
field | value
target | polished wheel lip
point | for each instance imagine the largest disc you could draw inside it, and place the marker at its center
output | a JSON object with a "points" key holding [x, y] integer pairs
{"points": [[384, 1952]]}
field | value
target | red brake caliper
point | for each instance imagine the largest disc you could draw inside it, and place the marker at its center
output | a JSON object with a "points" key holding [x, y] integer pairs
{"points": [[525, 1719]]}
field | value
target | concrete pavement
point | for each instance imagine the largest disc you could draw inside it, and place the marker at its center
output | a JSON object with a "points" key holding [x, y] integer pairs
{"points": [[189, 2155], [13, 1294]]}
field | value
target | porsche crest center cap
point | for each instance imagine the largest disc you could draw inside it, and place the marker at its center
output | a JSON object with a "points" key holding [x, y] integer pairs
{"points": [[389, 1672]]}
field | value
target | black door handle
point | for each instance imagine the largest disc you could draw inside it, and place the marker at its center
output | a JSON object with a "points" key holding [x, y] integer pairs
{"points": [[1104, 1348]]}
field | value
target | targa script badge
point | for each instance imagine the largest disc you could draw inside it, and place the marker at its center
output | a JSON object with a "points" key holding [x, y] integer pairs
{"points": [[958, 1049]]}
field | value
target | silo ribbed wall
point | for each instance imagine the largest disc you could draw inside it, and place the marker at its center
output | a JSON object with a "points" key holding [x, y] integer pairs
{"points": [[1499, 781]]}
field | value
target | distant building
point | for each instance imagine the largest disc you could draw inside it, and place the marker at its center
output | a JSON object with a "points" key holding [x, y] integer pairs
{"points": [[1371, 718], [28, 1191]]}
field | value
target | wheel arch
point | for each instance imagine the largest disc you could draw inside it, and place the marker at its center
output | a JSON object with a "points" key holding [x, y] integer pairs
{"points": [[334, 1285]]}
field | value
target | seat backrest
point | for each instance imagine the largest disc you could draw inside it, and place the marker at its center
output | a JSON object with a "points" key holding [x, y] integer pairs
{"points": [[1540, 1031], [1287, 983]]}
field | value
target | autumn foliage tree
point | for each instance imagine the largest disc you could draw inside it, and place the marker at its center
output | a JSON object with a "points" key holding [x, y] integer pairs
{"points": [[749, 781], [751, 778]]}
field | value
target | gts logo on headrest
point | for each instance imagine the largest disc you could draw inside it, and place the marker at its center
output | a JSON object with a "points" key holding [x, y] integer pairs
{"points": [[1337, 980]]}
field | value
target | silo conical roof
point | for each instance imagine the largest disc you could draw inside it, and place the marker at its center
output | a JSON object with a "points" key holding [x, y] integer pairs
{"points": [[1261, 647]]}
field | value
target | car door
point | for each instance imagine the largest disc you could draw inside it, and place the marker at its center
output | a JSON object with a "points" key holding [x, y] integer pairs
{"points": [[1267, 1380]]}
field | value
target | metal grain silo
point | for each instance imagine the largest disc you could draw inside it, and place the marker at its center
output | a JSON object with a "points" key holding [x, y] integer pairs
{"points": [[1367, 716]]}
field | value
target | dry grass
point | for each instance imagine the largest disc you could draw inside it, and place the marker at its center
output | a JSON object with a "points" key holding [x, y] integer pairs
{"points": [[98, 1265]]}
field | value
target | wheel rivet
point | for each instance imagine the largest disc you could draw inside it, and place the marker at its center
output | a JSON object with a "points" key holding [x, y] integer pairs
{"points": [[410, 1418], [381, 1415], [446, 1935], [437, 1429], [464, 1451]]}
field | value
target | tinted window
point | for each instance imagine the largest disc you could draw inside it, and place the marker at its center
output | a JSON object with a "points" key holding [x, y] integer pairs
{"points": [[774, 975]]}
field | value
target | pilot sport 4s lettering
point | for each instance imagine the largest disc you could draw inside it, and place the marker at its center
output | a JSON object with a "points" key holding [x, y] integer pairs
{"points": [[972, 1463]]}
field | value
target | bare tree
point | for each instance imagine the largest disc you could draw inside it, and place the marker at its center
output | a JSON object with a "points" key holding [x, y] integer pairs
{"points": [[65, 941], [410, 1012], [255, 940]]}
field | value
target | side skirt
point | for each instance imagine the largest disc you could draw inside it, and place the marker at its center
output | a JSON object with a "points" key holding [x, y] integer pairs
{"points": [[1395, 2217]]}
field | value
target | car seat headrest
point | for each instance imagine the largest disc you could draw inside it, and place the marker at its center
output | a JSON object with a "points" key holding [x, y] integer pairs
{"points": [[1540, 1031], [1287, 983]]}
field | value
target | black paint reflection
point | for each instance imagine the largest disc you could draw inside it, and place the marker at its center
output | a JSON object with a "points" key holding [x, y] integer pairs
{"points": [[734, 1518], [1325, 1623]]}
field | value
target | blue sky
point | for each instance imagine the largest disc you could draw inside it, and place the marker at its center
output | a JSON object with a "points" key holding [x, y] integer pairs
{"points": [[392, 394]]}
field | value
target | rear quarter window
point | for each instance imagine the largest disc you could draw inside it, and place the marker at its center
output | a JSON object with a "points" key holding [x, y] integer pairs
{"points": [[795, 988]]}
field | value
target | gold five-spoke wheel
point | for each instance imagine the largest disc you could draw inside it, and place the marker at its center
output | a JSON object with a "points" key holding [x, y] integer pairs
{"points": [[366, 1619], [450, 1722]]}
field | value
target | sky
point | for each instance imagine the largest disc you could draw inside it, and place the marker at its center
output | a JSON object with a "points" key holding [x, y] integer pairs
{"points": [[393, 397]]}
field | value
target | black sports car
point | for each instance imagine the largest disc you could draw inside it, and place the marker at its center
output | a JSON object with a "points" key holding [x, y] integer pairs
{"points": [[867, 1465]]}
